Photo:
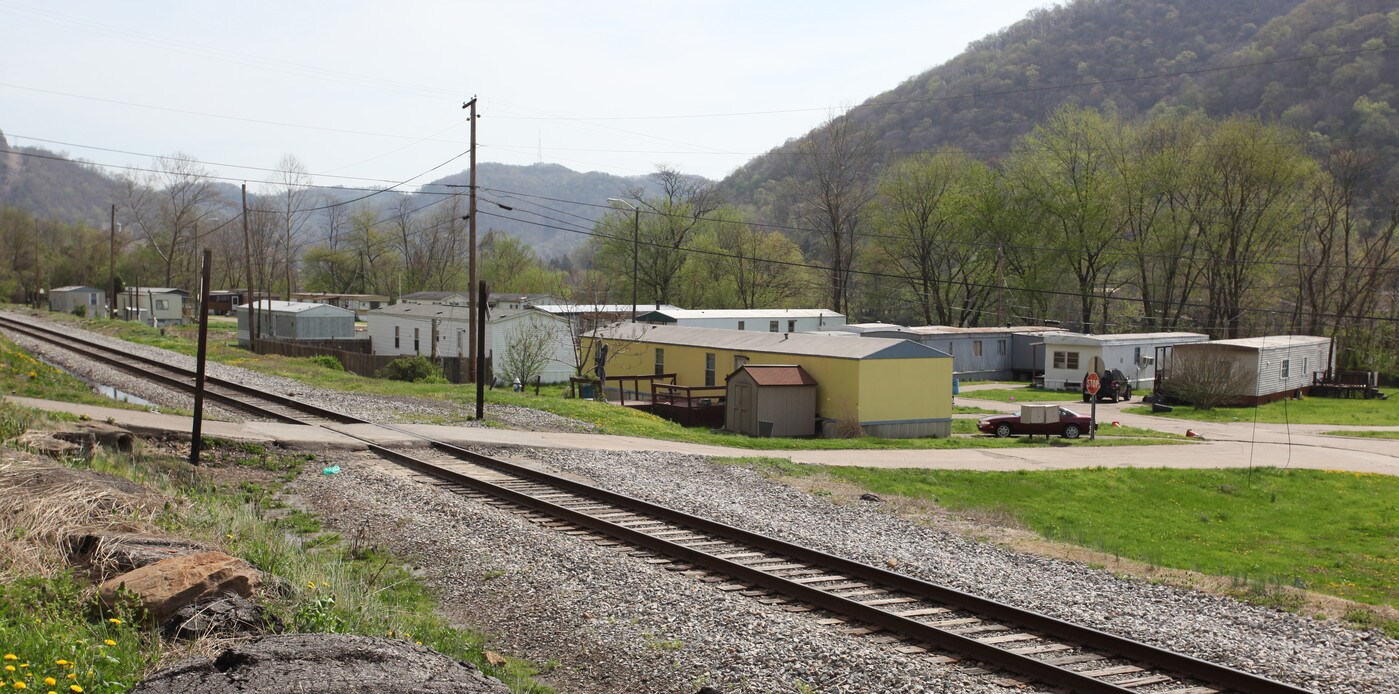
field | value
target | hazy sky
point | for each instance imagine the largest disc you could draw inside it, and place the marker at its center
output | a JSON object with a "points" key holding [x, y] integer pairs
{"points": [[375, 90]]}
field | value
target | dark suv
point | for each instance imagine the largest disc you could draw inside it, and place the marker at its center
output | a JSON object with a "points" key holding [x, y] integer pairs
{"points": [[1112, 385]]}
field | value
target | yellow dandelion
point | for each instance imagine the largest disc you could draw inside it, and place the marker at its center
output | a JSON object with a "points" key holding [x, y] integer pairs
{"points": [[74, 687], [11, 656], [110, 642], [60, 661], [9, 668], [311, 585], [114, 620], [20, 685], [50, 681]]}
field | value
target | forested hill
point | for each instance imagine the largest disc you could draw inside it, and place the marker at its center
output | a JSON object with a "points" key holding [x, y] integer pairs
{"points": [[550, 190], [1112, 53], [53, 186]]}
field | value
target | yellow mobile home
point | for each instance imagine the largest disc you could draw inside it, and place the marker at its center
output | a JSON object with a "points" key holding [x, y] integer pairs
{"points": [[891, 388]]}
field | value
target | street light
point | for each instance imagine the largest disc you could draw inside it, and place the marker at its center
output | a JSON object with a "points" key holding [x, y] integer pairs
{"points": [[635, 235]]}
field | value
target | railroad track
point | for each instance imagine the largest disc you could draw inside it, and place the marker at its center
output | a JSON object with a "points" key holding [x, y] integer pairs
{"points": [[1011, 645]]}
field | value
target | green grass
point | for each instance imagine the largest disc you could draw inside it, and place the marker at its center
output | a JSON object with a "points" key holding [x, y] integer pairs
{"points": [[1305, 411], [48, 632], [1021, 394], [333, 586], [1365, 434], [23, 375], [1330, 532]]}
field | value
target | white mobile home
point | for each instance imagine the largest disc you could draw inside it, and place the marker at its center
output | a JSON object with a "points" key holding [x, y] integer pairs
{"points": [[163, 305], [772, 320], [295, 321], [408, 329], [1068, 357], [67, 299], [1274, 367]]}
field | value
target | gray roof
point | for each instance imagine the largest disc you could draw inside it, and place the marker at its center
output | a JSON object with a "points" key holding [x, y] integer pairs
{"points": [[1270, 342], [756, 313], [1123, 338], [444, 312], [805, 344], [571, 309], [952, 329], [75, 289], [295, 307]]}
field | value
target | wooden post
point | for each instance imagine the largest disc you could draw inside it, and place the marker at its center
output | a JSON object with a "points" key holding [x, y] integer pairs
{"points": [[248, 265], [112, 265], [479, 359], [197, 434]]}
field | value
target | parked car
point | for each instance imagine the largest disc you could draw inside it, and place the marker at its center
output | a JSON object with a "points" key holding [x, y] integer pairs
{"points": [[1070, 425], [1112, 384]]}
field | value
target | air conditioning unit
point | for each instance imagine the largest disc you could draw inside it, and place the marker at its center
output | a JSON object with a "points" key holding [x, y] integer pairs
{"points": [[1146, 361]]}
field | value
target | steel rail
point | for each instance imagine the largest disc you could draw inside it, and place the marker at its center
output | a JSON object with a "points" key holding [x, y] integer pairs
{"points": [[1168, 661]]}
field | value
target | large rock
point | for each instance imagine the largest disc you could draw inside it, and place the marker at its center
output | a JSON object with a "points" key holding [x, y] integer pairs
{"points": [[170, 584], [313, 663]]}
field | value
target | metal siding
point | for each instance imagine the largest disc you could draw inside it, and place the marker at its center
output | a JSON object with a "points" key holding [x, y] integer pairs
{"points": [[896, 390]]}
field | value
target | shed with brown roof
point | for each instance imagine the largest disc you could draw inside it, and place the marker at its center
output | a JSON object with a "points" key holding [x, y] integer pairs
{"points": [[771, 400]]}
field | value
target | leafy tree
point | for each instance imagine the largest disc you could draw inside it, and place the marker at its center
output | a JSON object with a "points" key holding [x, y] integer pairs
{"points": [[1064, 168]]}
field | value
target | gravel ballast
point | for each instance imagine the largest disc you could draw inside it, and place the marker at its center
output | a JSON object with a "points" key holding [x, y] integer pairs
{"points": [[613, 622]]}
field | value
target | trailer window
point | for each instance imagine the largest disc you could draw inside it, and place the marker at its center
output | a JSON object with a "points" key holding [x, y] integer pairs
{"points": [[709, 368], [395, 336], [976, 348], [1286, 368], [660, 361], [1066, 360], [772, 326], [1000, 348]]}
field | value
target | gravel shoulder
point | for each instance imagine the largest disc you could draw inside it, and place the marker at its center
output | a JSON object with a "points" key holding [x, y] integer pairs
{"points": [[615, 623]]}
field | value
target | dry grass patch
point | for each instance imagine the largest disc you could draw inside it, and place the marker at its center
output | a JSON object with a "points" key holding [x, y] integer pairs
{"points": [[42, 503]]}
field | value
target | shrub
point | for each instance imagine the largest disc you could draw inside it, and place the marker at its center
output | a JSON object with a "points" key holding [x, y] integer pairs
{"points": [[328, 362], [415, 369], [80, 311]]}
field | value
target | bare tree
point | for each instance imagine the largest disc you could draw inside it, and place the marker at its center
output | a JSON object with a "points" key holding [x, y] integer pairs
{"points": [[837, 184], [168, 207], [529, 347], [1205, 380], [290, 189]]}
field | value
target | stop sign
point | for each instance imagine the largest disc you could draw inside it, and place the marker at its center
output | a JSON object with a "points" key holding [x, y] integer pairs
{"points": [[1093, 384]]}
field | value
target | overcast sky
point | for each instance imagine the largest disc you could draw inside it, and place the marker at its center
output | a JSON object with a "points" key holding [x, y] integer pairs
{"points": [[375, 90]]}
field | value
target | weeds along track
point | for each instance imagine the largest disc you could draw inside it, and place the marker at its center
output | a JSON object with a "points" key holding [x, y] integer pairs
{"points": [[1001, 642]]}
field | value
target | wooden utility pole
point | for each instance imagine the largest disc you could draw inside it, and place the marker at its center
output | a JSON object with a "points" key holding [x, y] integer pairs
{"points": [[481, 363], [474, 328], [248, 265], [38, 284], [112, 265], [197, 433]]}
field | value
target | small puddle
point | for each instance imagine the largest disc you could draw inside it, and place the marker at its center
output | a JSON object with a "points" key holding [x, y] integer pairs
{"points": [[121, 395], [104, 389]]}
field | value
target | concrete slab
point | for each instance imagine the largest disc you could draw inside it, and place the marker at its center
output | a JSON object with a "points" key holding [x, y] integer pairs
{"points": [[145, 423]]}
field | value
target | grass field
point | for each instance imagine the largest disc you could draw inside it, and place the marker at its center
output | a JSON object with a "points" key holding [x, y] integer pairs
{"points": [[1022, 394], [1305, 411], [23, 375], [1335, 533], [609, 419], [1365, 434]]}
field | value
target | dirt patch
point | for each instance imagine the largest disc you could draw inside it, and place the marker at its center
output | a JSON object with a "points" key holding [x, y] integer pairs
{"points": [[1001, 528]]}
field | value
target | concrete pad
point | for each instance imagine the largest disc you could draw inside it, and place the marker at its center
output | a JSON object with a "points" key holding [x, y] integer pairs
{"points": [[145, 423]]}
